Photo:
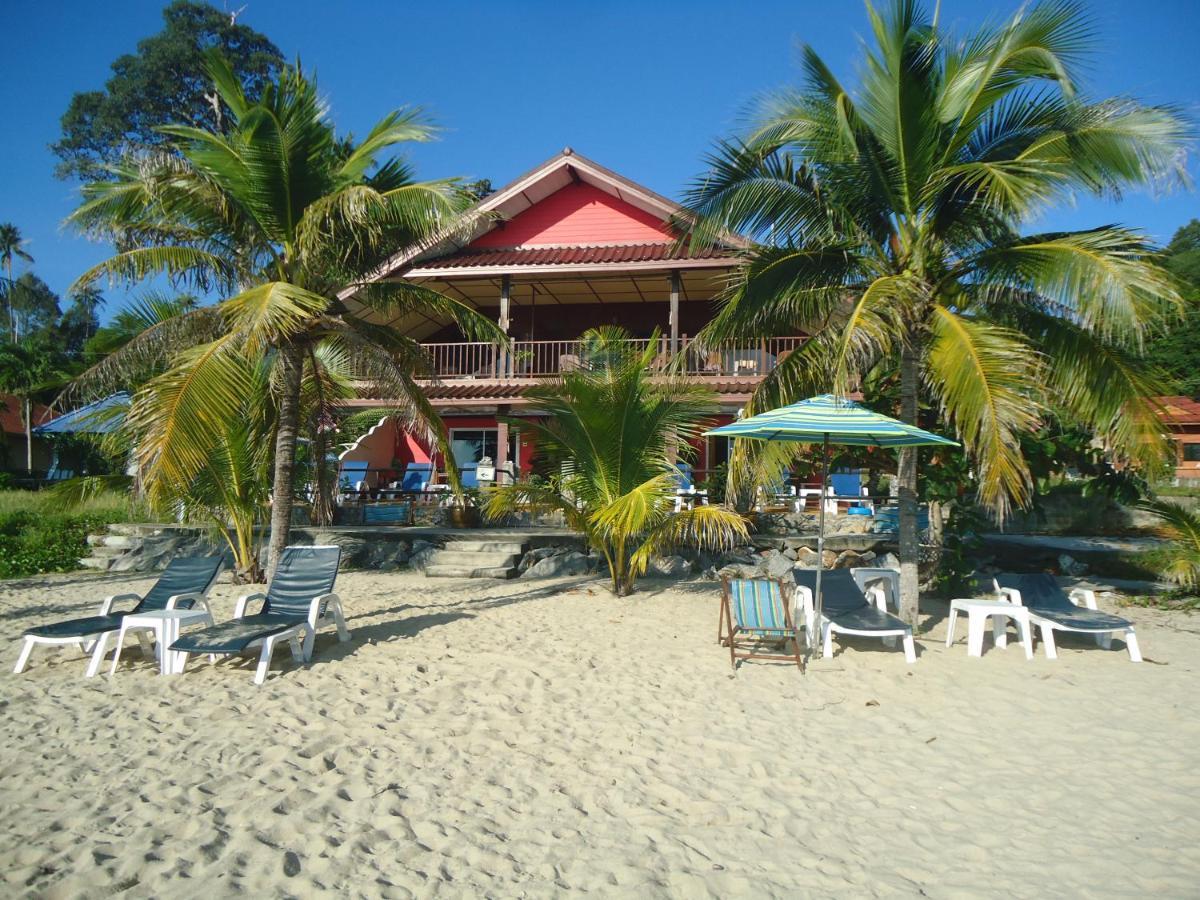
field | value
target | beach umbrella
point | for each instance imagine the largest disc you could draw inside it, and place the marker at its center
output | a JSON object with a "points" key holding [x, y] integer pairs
{"points": [[828, 420]]}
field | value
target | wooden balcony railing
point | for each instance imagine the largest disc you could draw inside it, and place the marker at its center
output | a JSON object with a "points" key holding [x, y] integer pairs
{"points": [[545, 359]]}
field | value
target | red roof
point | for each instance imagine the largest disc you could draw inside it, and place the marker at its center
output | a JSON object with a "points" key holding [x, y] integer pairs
{"points": [[10, 414], [546, 256], [1179, 410]]}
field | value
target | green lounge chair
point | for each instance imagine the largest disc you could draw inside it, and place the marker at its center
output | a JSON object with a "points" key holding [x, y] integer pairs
{"points": [[185, 582], [298, 601], [756, 611], [1053, 609]]}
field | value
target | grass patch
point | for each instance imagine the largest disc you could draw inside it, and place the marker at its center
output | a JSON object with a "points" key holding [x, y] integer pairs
{"points": [[38, 535], [1174, 601]]}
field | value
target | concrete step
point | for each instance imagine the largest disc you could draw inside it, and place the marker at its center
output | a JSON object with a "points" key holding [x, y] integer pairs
{"points": [[452, 556], [102, 563], [459, 571], [107, 552], [486, 546]]}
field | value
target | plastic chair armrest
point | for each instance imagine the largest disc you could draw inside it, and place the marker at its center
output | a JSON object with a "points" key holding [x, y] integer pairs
{"points": [[239, 609], [187, 601], [1087, 597], [316, 609], [1012, 595], [106, 605]]}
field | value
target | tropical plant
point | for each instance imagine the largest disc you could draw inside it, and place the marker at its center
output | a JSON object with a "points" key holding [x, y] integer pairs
{"points": [[888, 226], [608, 433], [12, 247], [1179, 562], [291, 220]]}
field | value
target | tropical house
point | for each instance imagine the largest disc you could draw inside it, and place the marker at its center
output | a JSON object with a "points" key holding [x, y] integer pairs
{"points": [[1180, 418], [566, 247]]}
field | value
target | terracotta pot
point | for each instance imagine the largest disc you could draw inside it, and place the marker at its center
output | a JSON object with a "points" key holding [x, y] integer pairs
{"points": [[464, 517]]}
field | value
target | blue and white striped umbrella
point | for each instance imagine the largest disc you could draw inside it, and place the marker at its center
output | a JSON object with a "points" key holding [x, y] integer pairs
{"points": [[831, 418], [828, 420]]}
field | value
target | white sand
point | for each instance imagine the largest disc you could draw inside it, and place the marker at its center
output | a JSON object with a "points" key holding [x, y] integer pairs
{"points": [[536, 738]]}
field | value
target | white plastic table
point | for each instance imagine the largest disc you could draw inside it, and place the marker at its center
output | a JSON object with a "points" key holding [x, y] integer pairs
{"points": [[978, 612], [166, 624]]}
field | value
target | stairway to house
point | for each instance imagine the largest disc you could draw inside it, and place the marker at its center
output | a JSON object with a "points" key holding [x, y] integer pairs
{"points": [[109, 547], [476, 559]]}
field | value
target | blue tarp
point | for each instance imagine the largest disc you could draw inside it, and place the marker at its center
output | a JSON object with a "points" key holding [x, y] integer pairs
{"points": [[101, 417]]}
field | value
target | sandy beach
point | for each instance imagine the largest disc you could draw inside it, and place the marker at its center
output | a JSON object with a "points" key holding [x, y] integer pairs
{"points": [[540, 738]]}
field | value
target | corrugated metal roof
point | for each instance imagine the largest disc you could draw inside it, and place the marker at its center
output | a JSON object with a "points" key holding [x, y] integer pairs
{"points": [[1179, 410], [567, 256], [100, 417]]}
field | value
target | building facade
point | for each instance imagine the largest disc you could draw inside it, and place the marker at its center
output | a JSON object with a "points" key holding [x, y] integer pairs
{"points": [[569, 246]]}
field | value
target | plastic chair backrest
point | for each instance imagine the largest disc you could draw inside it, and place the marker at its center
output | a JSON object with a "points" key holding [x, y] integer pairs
{"points": [[685, 480], [840, 593], [352, 471], [303, 573], [416, 476], [183, 575], [469, 476], [1037, 590], [846, 484]]}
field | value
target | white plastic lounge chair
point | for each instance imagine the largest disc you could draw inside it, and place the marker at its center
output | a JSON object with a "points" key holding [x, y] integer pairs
{"points": [[183, 583], [298, 601], [845, 609], [1053, 609]]}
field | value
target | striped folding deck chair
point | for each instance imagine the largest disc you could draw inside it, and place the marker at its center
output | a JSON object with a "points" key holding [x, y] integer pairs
{"points": [[754, 612]]}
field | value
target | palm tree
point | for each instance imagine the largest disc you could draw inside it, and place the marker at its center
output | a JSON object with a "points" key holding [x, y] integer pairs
{"points": [[283, 215], [608, 434], [888, 222], [11, 248], [1179, 561]]}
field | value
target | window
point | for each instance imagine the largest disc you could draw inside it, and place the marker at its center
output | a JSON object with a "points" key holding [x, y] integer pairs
{"points": [[470, 445], [1191, 452]]}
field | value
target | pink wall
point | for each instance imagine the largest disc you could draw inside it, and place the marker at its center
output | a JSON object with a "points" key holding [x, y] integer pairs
{"points": [[578, 214]]}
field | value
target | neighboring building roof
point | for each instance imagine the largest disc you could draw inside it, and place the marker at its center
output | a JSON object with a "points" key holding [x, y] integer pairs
{"points": [[100, 417], [1179, 410], [489, 389], [10, 414]]}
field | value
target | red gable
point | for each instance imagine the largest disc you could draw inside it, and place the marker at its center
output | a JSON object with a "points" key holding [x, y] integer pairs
{"points": [[1177, 410], [577, 215]]}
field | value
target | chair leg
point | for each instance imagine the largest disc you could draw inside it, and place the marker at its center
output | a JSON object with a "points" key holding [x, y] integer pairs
{"points": [[910, 649], [297, 649], [1048, 642], [827, 633], [24, 657], [1131, 644], [310, 638], [340, 620], [264, 660], [148, 650], [1000, 632], [1104, 640], [97, 660], [1026, 632]]}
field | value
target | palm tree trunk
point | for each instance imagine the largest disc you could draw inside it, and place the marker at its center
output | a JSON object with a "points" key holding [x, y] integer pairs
{"points": [[12, 328], [291, 368], [28, 434], [322, 511], [907, 479]]}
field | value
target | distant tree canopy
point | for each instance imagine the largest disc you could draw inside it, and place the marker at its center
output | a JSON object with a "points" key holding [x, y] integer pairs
{"points": [[1177, 352], [163, 82]]}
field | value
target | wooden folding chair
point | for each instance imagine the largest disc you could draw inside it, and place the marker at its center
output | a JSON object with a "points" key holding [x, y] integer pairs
{"points": [[757, 611]]}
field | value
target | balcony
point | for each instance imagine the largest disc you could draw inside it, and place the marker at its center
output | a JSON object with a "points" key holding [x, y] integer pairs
{"points": [[526, 360]]}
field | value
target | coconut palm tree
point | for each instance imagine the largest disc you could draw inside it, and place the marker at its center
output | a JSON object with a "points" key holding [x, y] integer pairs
{"points": [[1179, 561], [889, 224], [12, 247], [282, 216], [609, 434]]}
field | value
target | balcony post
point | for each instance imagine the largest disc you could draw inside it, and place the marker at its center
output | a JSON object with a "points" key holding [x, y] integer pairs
{"points": [[505, 292], [674, 319], [501, 443]]}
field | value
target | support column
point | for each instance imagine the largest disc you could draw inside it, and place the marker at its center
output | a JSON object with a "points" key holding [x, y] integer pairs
{"points": [[503, 322], [501, 445], [674, 319]]}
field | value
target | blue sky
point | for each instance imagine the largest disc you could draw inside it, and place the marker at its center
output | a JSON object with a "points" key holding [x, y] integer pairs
{"points": [[642, 88]]}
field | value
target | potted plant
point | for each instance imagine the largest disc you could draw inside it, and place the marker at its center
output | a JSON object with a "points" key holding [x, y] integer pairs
{"points": [[463, 511]]}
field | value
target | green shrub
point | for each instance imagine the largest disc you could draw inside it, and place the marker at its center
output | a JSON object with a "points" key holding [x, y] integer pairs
{"points": [[31, 544]]}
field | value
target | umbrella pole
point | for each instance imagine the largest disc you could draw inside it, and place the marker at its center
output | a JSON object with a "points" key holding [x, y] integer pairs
{"points": [[818, 600]]}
